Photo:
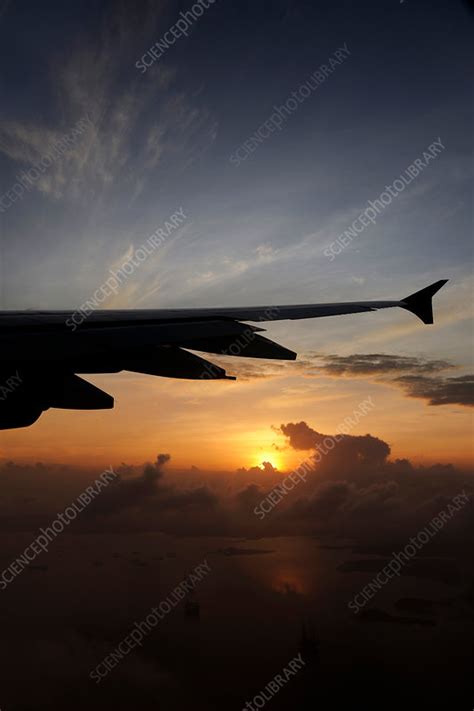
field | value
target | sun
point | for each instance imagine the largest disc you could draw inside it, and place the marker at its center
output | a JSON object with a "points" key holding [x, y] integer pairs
{"points": [[271, 457]]}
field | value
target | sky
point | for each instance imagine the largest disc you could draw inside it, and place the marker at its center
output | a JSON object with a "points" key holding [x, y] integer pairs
{"points": [[301, 482], [259, 220]]}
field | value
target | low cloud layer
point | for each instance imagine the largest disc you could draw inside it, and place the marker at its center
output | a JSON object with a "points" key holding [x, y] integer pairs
{"points": [[352, 488]]}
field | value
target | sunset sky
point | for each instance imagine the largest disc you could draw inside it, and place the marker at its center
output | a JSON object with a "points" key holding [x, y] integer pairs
{"points": [[114, 119], [254, 233]]}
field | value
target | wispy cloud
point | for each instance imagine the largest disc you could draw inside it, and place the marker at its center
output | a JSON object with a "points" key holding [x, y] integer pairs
{"points": [[128, 138]]}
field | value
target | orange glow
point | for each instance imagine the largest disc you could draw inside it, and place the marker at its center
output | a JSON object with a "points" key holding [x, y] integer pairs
{"points": [[272, 457], [220, 427], [289, 582]]}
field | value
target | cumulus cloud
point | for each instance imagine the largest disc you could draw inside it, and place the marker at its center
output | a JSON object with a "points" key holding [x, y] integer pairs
{"points": [[357, 452], [129, 492], [300, 435], [357, 488], [266, 468], [352, 489], [150, 500]]}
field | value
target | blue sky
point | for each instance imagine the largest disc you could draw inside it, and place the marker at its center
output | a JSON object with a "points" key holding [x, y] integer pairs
{"points": [[163, 140]]}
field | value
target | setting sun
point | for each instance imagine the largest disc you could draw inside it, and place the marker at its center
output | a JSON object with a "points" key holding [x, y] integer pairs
{"points": [[271, 457]]}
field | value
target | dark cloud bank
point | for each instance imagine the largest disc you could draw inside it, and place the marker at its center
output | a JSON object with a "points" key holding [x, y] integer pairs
{"points": [[354, 490]]}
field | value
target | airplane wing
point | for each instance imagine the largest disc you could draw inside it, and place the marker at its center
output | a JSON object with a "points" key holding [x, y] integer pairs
{"points": [[42, 352]]}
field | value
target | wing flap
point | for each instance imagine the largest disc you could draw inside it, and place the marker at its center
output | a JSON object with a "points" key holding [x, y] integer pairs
{"points": [[177, 363], [70, 392], [248, 345]]}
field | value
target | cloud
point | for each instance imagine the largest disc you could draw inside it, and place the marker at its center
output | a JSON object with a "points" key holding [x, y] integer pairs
{"points": [[355, 487], [440, 391], [137, 121], [357, 365], [266, 468], [354, 457], [375, 516], [421, 378], [151, 502], [130, 492], [353, 490], [300, 435], [379, 364]]}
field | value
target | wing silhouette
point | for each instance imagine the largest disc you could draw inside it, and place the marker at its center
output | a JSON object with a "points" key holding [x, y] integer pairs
{"points": [[42, 352]]}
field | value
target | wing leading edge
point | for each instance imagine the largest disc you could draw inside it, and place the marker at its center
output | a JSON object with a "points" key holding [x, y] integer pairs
{"points": [[418, 303]]}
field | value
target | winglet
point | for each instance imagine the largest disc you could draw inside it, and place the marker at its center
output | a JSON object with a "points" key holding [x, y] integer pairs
{"points": [[420, 302]]}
